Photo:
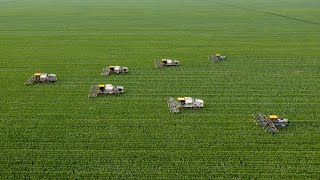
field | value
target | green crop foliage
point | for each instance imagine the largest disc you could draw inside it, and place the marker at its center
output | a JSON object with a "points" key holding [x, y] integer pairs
{"points": [[56, 131]]}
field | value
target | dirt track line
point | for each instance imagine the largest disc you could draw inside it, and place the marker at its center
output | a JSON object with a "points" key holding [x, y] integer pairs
{"points": [[271, 13]]}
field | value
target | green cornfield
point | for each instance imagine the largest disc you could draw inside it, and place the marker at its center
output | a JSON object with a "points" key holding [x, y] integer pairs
{"points": [[54, 131]]}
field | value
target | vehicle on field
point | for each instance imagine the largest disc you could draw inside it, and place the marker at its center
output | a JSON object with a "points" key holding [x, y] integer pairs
{"points": [[109, 70], [217, 57], [166, 63], [41, 78], [271, 123], [105, 89], [184, 102]]}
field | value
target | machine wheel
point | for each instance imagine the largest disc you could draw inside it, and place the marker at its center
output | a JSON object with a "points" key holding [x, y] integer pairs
{"points": [[271, 129]]}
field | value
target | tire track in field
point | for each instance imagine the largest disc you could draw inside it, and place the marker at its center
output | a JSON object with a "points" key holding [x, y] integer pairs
{"points": [[8, 1], [270, 13]]}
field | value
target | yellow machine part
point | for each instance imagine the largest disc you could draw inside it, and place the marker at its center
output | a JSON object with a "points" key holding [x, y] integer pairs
{"points": [[180, 99], [101, 85], [273, 116], [111, 66], [37, 74], [218, 55]]}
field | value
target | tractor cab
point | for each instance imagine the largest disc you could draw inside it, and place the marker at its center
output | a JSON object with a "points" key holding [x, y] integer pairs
{"points": [[37, 76], [217, 57], [111, 69], [185, 102], [101, 87], [278, 122], [105, 89], [170, 62], [189, 102], [273, 117], [165, 61], [181, 100], [114, 70]]}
